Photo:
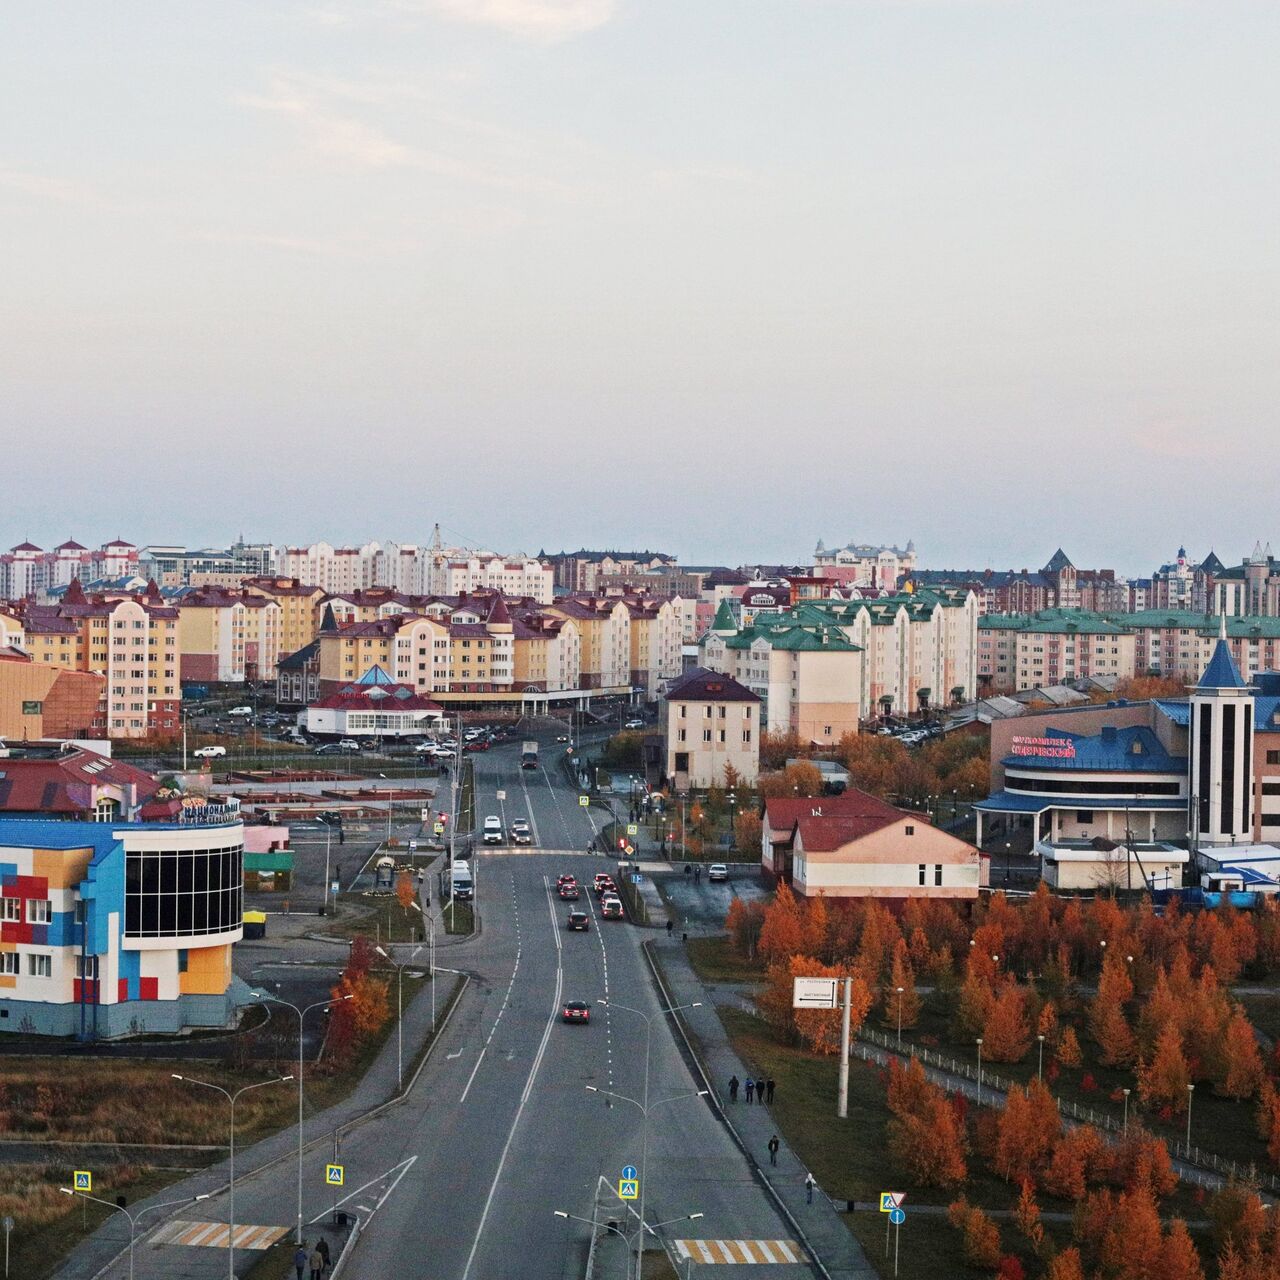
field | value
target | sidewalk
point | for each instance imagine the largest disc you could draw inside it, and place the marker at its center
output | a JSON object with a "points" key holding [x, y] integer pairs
{"points": [[818, 1226]]}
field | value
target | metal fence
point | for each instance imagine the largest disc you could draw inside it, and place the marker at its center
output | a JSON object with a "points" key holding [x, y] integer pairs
{"points": [[1194, 1158]]}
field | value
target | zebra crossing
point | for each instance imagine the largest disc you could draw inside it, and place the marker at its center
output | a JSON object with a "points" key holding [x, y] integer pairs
{"points": [[707, 1252], [214, 1234]]}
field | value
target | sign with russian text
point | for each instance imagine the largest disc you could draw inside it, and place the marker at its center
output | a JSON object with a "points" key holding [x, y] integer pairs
{"points": [[1048, 748], [816, 993]]}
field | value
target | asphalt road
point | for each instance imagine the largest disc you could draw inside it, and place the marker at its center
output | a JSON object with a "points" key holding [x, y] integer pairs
{"points": [[501, 1130]]}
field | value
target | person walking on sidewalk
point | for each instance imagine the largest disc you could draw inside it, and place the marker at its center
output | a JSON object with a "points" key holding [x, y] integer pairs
{"points": [[300, 1256], [760, 1091], [323, 1248], [768, 1086], [317, 1264], [808, 1188], [751, 1088], [671, 924], [733, 1088], [774, 1144]]}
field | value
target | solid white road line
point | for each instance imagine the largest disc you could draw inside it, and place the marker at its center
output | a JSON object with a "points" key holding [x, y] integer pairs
{"points": [[398, 1169], [528, 1086]]}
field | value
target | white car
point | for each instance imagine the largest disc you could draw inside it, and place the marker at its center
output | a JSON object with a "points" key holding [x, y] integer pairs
{"points": [[520, 832], [493, 829], [634, 724], [717, 871], [209, 753], [240, 711]]}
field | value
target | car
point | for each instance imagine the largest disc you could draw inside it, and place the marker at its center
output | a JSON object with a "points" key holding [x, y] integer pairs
{"points": [[240, 711], [328, 749], [717, 871], [425, 749], [579, 920], [567, 878], [602, 881], [521, 833], [562, 737], [634, 724], [611, 908], [477, 744], [209, 753], [569, 892], [493, 829], [576, 1011]]}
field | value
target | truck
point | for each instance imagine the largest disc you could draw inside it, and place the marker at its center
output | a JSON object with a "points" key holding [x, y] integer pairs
{"points": [[529, 755]]}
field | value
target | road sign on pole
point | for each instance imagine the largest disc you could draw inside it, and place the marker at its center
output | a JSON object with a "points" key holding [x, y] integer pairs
{"points": [[334, 1174], [897, 1216], [628, 1188], [583, 801], [816, 993], [501, 795], [633, 829], [82, 1180], [426, 815], [891, 1200], [629, 1173]]}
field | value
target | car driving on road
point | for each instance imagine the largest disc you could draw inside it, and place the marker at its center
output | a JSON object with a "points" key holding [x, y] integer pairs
{"points": [[569, 892], [717, 871], [611, 908], [579, 920], [209, 753], [493, 829], [576, 1011], [521, 833], [603, 883]]}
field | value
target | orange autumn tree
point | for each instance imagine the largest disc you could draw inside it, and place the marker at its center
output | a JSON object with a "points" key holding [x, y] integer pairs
{"points": [[782, 934], [1027, 1215], [1179, 1258], [1026, 1131], [980, 1237], [900, 1000], [818, 1028], [925, 1133], [1163, 1083], [406, 894], [1065, 1266], [1006, 1034], [1068, 1052], [1242, 1059], [1131, 1245]]}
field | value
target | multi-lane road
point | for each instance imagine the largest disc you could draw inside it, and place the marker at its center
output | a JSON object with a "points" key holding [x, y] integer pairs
{"points": [[502, 1129]]}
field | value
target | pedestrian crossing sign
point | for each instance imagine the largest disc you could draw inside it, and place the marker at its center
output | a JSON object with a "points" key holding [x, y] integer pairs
{"points": [[632, 829], [82, 1180], [628, 1188], [891, 1200], [583, 801], [333, 1174]]}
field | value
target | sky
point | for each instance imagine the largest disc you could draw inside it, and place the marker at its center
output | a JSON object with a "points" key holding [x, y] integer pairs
{"points": [[720, 277]]}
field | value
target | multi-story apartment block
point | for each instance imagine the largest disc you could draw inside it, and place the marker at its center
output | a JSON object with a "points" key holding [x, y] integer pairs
{"points": [[865, 565], [132, 641], [510, 577], [227, 636], [547, 653], [712, 725], [1052, 647], [301, 607], [1251, 588], [579, 572], [1183, 584], [604, 626], [335, 569], [656, 627], [24, 572], [1059, 585]]}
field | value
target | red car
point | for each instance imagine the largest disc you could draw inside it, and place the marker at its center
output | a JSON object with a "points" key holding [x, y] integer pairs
{"points": [[478, 745], [576, 1011], [605, 885], [569, 892], [563, 880]]}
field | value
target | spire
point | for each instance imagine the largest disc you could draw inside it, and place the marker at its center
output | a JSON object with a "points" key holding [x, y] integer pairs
{"points": [[498, 614], [723, 624], [327, 621], [1222, 672], [74, 593]]}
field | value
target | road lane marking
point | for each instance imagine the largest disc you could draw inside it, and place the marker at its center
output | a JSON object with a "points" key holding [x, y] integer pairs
{"points": [[528, 1084], [739, 1252], [506, 999], [608, 1013], [398, 1169], [213, 1235]]}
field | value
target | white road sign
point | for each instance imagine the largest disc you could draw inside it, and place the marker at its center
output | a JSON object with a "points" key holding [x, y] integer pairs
{"points": [[816, 993]]}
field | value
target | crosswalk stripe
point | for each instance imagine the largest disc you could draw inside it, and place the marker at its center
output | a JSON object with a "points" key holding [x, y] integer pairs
{"points": [[763, 1247], [213, 1235], [784, 1248], [705, 1250], [738, 1252]]}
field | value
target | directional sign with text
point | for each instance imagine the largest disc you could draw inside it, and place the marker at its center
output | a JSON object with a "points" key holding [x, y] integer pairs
{"points": [[82, 1180], [334, 1174], [816, 993], [628, 1188]]}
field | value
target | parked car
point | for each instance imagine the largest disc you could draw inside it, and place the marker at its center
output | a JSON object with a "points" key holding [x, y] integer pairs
{"points": [[634, 724], [717, 871], [240, 711], [209, 753]]}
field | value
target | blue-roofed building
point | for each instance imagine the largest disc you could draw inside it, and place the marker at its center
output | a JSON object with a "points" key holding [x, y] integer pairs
{"points": [[113, 929]]}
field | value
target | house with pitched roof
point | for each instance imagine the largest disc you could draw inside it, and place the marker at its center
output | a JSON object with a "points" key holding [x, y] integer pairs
{"points": [[712, 724]]}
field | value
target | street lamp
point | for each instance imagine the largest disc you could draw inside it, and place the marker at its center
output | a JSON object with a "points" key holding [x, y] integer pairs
{"points": [[1190, 1090], [231, 1203], [1126, 1109], [979, 1071], [899, 1018], [1040, 1068], [399, 1007], [645, 1107], [133, 1217], [302, 1013]]}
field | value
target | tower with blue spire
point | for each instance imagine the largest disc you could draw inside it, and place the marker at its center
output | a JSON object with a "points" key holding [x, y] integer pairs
{"points": [[1222, 751]]}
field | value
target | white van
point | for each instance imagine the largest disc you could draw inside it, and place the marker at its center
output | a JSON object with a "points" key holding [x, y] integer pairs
{"points": [[493, 829], [461, 881]]}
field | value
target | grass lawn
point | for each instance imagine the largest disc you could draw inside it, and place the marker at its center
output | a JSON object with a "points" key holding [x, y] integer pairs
{"points": [[716, 960], [377, 918], [1264, 1013], [275, 1263], [460, 918]]}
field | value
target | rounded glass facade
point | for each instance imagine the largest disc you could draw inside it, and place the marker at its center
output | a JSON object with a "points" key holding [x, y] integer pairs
{"points": [[183, 892]]}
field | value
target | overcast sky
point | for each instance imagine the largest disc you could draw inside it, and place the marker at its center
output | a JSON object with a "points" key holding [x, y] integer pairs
{"points": [[716, 276]]}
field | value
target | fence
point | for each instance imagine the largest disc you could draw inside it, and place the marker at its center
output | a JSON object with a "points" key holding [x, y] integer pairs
{"points": [[1194, 1159]]}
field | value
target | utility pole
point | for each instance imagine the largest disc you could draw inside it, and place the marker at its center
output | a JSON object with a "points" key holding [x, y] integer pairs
{"points": [[842, 1109]]}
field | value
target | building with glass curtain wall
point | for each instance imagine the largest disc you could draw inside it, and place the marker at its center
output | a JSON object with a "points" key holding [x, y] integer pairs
{"points": [[110, 930]]}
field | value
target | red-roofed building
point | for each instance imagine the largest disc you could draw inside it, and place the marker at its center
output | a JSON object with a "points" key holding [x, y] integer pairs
{"points": [[67, 782], [857, 846], [373, 707], [712, 724]]}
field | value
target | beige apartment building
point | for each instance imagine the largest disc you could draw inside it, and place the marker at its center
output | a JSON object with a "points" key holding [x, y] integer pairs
{"points": [[301, 607], [228, 637], [604, 626], [712, 724], [656, 629]]}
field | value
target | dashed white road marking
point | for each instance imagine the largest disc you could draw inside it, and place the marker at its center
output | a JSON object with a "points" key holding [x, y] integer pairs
{"points": [[506, 999]]}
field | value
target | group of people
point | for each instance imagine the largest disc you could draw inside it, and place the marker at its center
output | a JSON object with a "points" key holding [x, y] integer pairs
{"points": [[317, 1259], [760, 1091]]}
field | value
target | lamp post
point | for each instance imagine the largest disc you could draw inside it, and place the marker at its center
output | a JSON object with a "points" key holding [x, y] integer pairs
{"points": [[399, 1007], [302, 1013], [899, 1018], [1040, 1067], [1190, 1091], [1126, 1109], [133, 1217], [979, 1071], [1008, 851], [645, 1106], [231, 1202], [387, 780]]}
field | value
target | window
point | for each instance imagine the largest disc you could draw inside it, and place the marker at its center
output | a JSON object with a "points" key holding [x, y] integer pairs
{"points": [[40, 965], [746, 735], [1084, 815], [87, 967], [937, 874], [82, 911], [9, 962], [11, 909], [680, 737], [706, 735], [826, 731], [39, 911], [922, 870], [721, 735], [183, 892], [1273, 757], [910, 830]]}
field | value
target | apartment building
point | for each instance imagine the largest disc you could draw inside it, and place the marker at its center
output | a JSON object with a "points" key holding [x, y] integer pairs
{"points": [[1055, 646], [579, 572], [604, 628], [1250, 588], [655, 633], [301, 607], [712, 725], [865, 565], [227, 637], [546, 653], [507, 576]]}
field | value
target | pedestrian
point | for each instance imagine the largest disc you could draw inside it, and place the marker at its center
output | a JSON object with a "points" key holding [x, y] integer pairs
{"points": [[751, 1089], [768, 1091], [317, 1264], [688, 870], [671, 924], [733, 1088], [323, 1246], [808, 1188], [300, 1256], [697, 875], [774, 1144]]}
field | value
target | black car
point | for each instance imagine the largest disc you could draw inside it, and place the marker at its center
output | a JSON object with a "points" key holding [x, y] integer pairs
{"points": [[579, 920]]}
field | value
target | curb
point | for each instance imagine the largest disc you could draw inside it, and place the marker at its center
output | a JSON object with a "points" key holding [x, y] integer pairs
{"points": [[713, 1101]]}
